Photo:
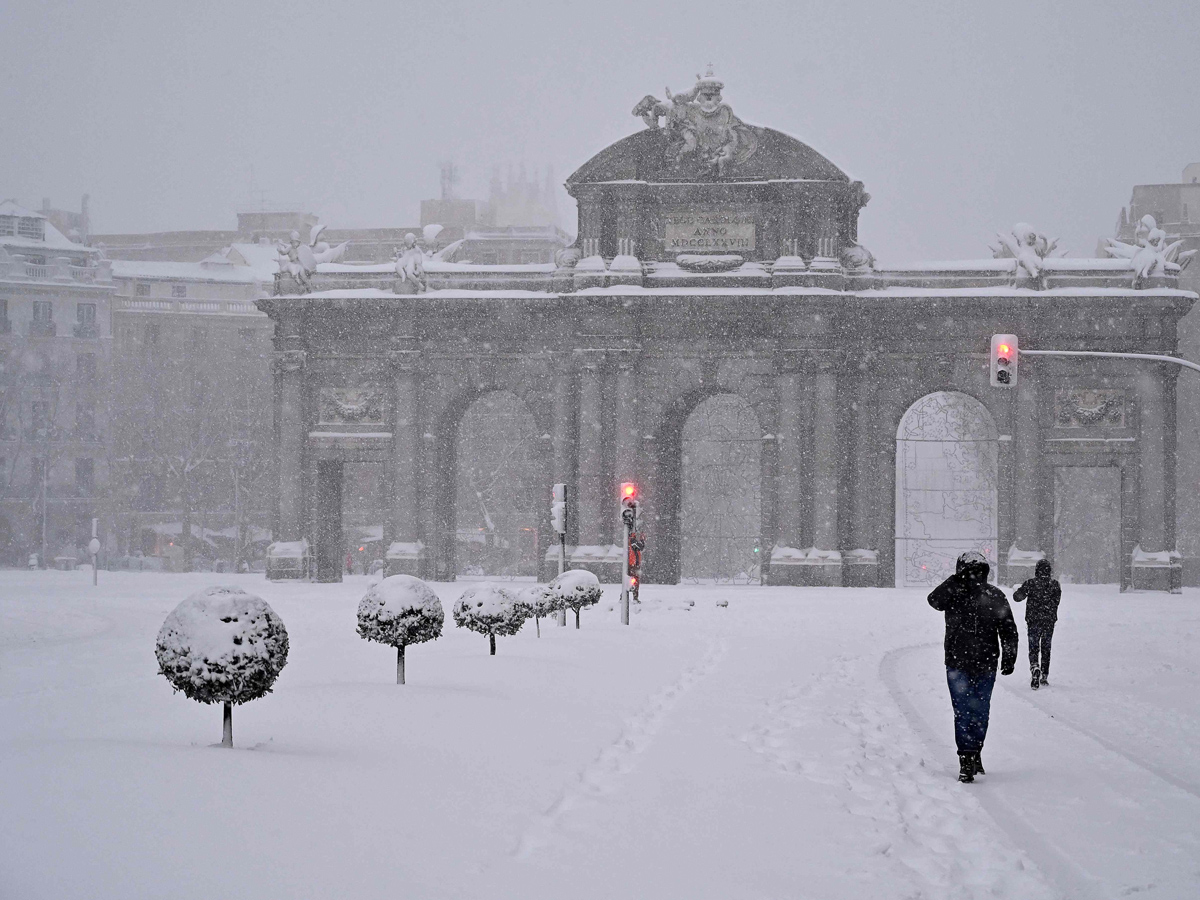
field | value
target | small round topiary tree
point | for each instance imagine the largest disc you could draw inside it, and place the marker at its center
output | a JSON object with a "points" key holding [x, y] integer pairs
{"points": [[222, 645], [490, 609], [539, 602], [399, 611], [575, 589]]}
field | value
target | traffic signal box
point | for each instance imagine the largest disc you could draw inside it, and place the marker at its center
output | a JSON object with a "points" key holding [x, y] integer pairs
{"points": [[558, 509], [1005, 353]]}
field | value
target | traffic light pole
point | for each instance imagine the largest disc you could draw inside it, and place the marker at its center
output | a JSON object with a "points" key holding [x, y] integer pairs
{"points": [[625, 576], [1153, 357]]}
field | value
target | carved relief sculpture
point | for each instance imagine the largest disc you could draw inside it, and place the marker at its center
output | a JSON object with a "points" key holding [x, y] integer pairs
{"points": [[700, 127], [1089, 409], [353, 406], [300, 260]]}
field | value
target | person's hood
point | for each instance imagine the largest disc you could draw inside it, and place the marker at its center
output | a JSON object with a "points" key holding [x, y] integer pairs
{"points": [[1042, 569], [973, 565]]}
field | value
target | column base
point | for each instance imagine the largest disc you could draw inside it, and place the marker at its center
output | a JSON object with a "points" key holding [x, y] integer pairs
{"points": [[405, 558], [805, 568], [1159, 571]]}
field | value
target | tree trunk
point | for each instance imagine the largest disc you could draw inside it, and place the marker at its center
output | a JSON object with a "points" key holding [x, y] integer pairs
{"points": [[227, 726], [185, 532], [492, 642], [577, 617], [400, 664], [538, 623]]}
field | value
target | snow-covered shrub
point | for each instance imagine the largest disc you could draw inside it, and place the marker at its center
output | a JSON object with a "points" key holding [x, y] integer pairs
{"points": [[539, 602], [490, 609], [222, 645], [399, 611], [575, 589]]}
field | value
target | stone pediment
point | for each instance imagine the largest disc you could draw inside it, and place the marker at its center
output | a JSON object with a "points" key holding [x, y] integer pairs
{"points": [[649, 156]]}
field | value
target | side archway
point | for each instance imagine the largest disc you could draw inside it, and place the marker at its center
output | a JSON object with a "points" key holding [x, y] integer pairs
{"points": [[947, 495], [709, 522]]}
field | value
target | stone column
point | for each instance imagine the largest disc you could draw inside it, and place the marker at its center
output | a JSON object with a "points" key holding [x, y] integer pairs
{"points": [[791, 453], [865, 468], [1027, 489], [627, 432], [405, 446], [290, 427], [591, 482], [825, 467], [1152, 440]]}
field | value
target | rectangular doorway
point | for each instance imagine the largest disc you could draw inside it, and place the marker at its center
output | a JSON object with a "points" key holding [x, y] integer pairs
{"points": [[328, 521], [1087, 524]]}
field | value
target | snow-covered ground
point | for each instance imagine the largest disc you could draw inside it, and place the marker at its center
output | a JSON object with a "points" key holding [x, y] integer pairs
{"points": [[795, 744]]}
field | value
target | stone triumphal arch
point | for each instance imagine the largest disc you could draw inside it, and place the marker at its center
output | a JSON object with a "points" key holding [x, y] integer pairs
{"points": [[718, 327]]}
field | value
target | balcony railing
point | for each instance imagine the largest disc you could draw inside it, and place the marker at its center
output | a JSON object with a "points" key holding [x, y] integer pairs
{"points": [[42, 329], [84, 330], [33, 270]]}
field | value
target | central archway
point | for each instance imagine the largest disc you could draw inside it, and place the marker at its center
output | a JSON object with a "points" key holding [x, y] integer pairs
{"points": [[496, 486], [946, 486], [721, 487]]}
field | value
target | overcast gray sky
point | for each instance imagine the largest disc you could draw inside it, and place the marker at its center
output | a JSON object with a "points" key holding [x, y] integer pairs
{"points": [[960, 117]]}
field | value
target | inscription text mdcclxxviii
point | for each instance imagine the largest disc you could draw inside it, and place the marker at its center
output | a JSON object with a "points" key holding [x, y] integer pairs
{"points": [[689, 233]]}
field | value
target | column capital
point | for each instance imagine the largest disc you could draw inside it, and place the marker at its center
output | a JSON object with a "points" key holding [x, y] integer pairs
{"points": [[588, 359], [285, 361], [403, 362]]}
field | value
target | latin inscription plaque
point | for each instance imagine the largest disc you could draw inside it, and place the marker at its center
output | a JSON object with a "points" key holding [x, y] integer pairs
{"points": [[708, 232]]}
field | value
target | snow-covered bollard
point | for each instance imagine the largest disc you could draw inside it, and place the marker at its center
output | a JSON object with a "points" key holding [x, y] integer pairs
{"points": [[222, 645], [575, 589], [399, 611], [490, 609], [539, 601]]}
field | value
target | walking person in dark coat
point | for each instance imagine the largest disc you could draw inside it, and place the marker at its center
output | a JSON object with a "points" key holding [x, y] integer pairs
{"points": [[1041, 613], [979, 627]]}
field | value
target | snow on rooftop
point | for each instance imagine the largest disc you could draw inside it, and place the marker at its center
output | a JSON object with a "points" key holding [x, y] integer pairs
{"points": [[206, 270], [53, 240]]}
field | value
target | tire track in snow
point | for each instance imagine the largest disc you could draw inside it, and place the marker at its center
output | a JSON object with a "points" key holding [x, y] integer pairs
{"points": [[1154, 769], [913, 816], [1066, 876], [618, 758]]}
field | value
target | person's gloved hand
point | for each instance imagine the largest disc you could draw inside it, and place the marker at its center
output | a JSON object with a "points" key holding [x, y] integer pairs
{"points": [[1007, 668]]}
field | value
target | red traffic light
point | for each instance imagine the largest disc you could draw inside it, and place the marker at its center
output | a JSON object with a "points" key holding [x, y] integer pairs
{"points": [[628, 491]]}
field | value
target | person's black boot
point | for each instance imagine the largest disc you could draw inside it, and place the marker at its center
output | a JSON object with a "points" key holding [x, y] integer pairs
{"points": [[1036, 678], [979, 765], [966, 767], [1046, 678]]}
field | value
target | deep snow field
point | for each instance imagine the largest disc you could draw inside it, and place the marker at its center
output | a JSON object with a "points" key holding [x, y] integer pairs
{"points": [[795, 744]]}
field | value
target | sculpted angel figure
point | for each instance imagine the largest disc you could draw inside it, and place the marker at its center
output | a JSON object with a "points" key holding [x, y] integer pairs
{"points": [[1028, 248], [410, 263], [300, 260], [697, 121], [1152, 254]]}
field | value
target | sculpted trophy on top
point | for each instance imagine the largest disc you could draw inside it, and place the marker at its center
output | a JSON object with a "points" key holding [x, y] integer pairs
{"points": [[700, 127], [300, 260]]}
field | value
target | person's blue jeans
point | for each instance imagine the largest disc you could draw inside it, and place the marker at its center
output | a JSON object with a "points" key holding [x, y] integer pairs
{"points": [[971, 696]]}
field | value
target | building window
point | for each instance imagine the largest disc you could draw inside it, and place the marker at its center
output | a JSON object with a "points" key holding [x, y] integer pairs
{"points": [[85, 366], [85, 477], [179, 290], [32, 228], [150, 338], [8, 224], [37, 475], [85, 420], [43, 311], [85, 315], [39, 419], [142, 289]]}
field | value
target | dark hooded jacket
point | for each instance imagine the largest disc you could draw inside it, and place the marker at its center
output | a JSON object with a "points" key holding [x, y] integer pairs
{"points": [[1043, 593], [979, 622]]}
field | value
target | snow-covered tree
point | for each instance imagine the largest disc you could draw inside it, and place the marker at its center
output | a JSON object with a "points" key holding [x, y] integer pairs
{"points": [[490, 609], [575, 589], [399, 611], [539, 601], [222, 645]]}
